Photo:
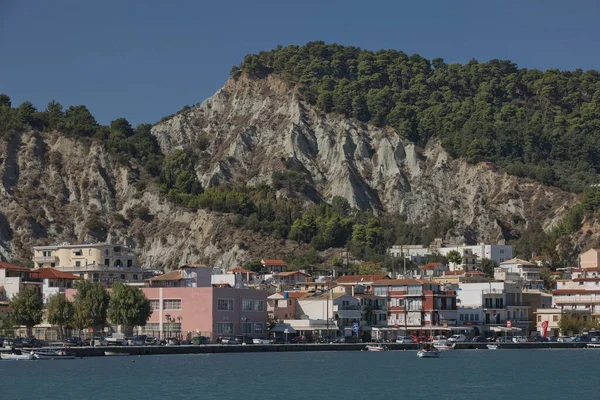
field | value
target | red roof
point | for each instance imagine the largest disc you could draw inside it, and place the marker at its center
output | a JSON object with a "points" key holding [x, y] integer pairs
{"points": [[12, 267], [294, 295], [430, 266], [274, 262], [51, 273], [361, 278]]}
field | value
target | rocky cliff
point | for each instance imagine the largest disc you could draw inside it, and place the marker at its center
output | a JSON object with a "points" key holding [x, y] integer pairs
{"points": [[251, 127], [58, 188]]}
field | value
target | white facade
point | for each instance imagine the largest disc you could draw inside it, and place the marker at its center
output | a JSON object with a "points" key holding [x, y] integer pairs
{"points": [[496, 252], [517, 270]]}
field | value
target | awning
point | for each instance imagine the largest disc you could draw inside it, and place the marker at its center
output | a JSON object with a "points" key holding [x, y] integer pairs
{"points": [[282, 328], [504, 329], [350, 314]]}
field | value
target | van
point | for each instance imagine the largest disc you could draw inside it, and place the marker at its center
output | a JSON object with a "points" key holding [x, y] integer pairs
{"points": [[457, 338]]}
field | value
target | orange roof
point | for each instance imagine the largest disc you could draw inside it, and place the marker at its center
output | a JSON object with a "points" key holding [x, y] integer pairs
{"points": [[12, 267], [294, 295], [361, 278], [274, 262], [574, 291], [169, 276], [51, 273], [430, 266], [403, 282]]}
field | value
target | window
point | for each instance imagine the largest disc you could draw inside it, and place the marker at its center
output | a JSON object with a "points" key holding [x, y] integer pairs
{"points": [[501, 251], [247, 328], [555, 318], [172, 304], [106, 261], [289, 303], [382, 317], [118, 263], [247, 305], [122, 276], [259, 305], [259, 329], [78, 263], [51, 284], [129, 263], [52, 265], [81, 276], [78, 253], [225, 328], [539, 318], [225, 305], [154, 305], [135, 277], [476, 317], [580, 283], [380, 291], [106, 252]]}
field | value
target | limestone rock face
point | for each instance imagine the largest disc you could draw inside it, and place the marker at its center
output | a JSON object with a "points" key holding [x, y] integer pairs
{"points": [[58, 188], [249, 127]]}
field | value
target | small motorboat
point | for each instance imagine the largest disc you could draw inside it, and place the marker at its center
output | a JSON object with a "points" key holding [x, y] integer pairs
{"points": [[593, 345], [115, 353], [53, 355], [16, 355], [492, 346], [442, 344], [376, 348], [428, 351]]}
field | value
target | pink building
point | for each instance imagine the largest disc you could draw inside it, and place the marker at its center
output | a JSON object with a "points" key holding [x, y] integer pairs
{"points": [[207, 311]]}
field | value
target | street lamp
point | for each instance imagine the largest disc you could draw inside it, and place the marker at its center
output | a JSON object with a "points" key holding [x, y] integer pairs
{"points": [[244, 320], [168, 318]]}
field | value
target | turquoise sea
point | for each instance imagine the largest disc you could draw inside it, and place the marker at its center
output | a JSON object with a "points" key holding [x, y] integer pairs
{"points": [[501, 374]]}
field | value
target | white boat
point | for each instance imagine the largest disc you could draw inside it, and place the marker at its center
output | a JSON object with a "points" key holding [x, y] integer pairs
{"points": [[443, 345], [492, 346], [53, 355], [376, 348], [16, 356], [594, 345], [428, 351], [115, 353]]}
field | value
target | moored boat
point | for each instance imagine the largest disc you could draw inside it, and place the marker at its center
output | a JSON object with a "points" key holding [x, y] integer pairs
{"points": [[15, 356], [376, 348], [594, 345], [428, 351], [53, 355], [115, 353], [492, 346]]}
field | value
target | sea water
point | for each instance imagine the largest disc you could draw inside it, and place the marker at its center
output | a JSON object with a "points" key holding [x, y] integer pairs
{"points": [[459, 374]]}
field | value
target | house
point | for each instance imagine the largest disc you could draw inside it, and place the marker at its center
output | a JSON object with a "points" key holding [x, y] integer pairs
{"points": [[469, 261], [274, 266], [100, 263], [590, 259], [416, 307], [350, 282], [551, 316], [580, 293], [456, 277], [518, 270], [314, 285], [246, 274], [14, 278], [499, 301], [284, 305], [432, 269], [53, 281], [185, 276], [290, 278], [497, 252]]}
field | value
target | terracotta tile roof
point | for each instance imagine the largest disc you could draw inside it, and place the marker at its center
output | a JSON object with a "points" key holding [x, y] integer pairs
{"points": [[12, 267], [274, 262], [387, 282], [51, 273], [361, 278], [169, 276], [430, 266], [322, 296], [294, 295], [575, 291]]}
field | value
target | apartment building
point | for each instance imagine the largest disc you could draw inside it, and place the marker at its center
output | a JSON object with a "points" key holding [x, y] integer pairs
{"points": [[517, 270], [100, 262], [496, 252]]}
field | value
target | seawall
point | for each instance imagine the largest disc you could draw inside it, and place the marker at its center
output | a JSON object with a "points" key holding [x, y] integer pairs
{"points": [[257, 348]]}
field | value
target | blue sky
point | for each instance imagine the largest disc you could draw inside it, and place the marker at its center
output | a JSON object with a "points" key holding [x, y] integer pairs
{"points": [[147, 59]]}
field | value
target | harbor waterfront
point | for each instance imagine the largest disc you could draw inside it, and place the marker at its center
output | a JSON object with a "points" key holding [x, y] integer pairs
{"points": [[256, 348], [495, 374]]}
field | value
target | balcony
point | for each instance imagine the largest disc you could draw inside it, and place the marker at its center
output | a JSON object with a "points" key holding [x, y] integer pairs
{"points": [[576, 299], [45, 259]]}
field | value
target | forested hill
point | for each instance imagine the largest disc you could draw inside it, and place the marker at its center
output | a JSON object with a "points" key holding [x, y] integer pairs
{"points": [[538, 124]]}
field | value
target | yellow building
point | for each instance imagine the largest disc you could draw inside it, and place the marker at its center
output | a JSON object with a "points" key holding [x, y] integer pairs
{"points": [[100, 262]]}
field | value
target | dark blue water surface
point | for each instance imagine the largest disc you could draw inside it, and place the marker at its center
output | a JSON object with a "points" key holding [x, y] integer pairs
{"points": [[460, 374]]}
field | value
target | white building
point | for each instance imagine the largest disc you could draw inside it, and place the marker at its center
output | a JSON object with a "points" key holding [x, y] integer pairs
{"points": [[14, 278], [517, 270], [496, 252]]}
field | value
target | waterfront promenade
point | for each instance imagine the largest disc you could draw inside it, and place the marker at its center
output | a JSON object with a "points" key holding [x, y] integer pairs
{"points": [[259, 348]]}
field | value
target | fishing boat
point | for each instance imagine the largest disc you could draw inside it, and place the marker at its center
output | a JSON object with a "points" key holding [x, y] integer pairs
{"points": [[492, 346], [16, 355], [376, 348], [428, 351], [49, 354]]}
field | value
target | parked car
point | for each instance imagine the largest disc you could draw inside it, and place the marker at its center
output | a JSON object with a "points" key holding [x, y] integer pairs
{"points": [[201, 340], [479, 339], [404, 339], [172, 342], [228, 340], [491, 339], [74, 341], [519, 339], [262, 341], [457, 338], [299, 340], [541, 339], [136, 341], [565, 339], [582, 339], [244, 339], [349, 339], [152, 341], [553, 338], [503, 339]]}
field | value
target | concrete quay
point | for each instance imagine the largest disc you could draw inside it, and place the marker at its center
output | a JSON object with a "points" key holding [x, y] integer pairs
{"points": [[258, 348]]}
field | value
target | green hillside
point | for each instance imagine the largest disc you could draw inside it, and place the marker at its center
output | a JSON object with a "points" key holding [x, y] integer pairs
{"points": [[538, 124]]}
